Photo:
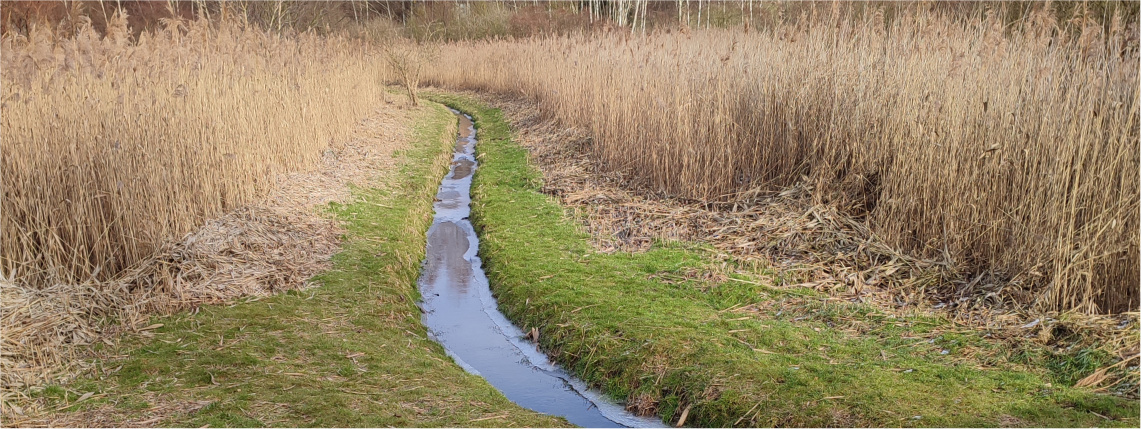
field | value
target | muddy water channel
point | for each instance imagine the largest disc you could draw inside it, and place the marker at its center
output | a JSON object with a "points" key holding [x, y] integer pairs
{"points": [[461, 313]]}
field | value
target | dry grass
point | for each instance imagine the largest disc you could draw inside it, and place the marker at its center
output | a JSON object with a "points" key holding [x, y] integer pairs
{"points": [[107, 415], [1006, 152], [182, 168], [112, 147]]}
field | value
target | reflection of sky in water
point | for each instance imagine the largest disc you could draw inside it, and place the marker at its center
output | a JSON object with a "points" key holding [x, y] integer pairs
{"points": [[461, 314]]}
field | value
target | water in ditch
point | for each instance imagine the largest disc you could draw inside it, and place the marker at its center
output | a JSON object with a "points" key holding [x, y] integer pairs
{"points": [[462, 315]]}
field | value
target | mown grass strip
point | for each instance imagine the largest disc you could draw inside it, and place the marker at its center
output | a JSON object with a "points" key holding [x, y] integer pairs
{"points": [[349, 353], [678, 345]]}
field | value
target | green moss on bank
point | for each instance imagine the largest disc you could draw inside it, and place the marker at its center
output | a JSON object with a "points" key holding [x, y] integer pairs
{"points": [[639, 327], [349, 353]]}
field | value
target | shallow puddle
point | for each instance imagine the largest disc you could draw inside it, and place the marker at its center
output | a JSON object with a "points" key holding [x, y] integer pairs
{"points": [[461, 313]]}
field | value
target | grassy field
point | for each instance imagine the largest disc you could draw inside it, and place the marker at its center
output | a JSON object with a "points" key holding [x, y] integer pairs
{"points": [[648, 332], [348, 353], [1001, 146]]}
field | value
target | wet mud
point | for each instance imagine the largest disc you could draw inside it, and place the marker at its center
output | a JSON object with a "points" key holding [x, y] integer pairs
{"points": [[462, 315]]}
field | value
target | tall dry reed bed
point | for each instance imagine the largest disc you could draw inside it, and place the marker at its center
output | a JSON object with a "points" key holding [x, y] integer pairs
{"points": [[1009, 149], [114, 149], [111, 146]]}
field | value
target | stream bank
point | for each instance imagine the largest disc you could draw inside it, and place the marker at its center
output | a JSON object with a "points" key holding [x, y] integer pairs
{"points": [[462, 315], [349, 352], [651, 329]]}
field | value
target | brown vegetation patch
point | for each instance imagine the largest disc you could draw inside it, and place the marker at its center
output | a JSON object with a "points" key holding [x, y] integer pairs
{"points": [[642, 405], [114, 145], [274, 245], [1005, 170], [109, 415]]}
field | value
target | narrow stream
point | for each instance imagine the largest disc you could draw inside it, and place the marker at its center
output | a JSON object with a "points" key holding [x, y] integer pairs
{"points": [[462, 315]]}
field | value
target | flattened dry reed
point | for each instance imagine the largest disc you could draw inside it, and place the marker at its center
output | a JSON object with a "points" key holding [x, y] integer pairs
{"points": [[1003, 149]]}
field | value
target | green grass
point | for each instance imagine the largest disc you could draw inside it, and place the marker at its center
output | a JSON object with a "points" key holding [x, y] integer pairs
{"points": [[351, 352], [639, 326]]}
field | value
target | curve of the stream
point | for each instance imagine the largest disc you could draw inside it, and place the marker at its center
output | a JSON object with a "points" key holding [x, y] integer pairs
{"points": [[462, 315]]}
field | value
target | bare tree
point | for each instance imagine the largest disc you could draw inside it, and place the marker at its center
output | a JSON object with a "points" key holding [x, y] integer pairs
{"points": [[408, 59]]}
